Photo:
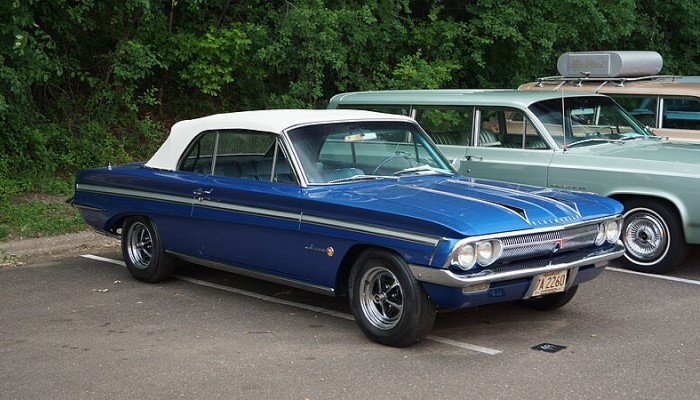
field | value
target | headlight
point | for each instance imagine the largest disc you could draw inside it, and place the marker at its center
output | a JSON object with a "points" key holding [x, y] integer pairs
{"points": [[608, 231], [488, 251], [612, 231], [600, 237], [483, 252], [466, 256]]}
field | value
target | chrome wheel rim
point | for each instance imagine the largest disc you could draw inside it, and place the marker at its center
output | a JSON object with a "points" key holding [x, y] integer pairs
{"points": [[646, 235], [381, 298], [140, 245]]}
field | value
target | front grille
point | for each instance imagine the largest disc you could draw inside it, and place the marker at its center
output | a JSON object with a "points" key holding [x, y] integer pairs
{"points": [[548, 243], [565, 258]]}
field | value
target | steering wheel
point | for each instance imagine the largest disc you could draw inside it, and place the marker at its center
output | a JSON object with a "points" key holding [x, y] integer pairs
{"points": [[402, 155], [599, 131]]}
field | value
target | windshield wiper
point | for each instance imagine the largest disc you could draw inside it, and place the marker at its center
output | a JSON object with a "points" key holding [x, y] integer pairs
{"points": [[424, 170], [569, 145], [356, 178], [635, 136]]}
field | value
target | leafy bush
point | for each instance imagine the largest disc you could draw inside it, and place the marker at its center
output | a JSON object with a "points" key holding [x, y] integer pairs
{"points": [[85, 83]]}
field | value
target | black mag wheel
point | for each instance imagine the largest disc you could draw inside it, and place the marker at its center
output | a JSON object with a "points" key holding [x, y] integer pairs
{"points": [[653, 237], [389, 305], [143, 251], [551, 301]]}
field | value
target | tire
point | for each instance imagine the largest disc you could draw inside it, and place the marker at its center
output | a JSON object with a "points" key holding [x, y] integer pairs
{"points": [[550, 302], [143, 251], [389, 305], [653, 237]]}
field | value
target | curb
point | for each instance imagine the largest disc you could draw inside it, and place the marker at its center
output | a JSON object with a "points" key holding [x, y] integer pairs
{"points": [[30, 251]]}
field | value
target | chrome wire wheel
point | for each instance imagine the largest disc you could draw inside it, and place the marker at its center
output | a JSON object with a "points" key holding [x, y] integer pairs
{"points": [[140, 245], [653, 236], [645, 235], [381, 298]]}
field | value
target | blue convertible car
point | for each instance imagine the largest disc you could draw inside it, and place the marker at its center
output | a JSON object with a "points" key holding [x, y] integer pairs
{"points": [[354, 203]]}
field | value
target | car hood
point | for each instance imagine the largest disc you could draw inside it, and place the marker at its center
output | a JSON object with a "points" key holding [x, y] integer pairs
{"points": [[647, 150], [463, 205]]}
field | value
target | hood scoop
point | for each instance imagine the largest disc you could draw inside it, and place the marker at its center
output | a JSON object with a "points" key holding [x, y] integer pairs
{"points": [[519, 211], [568, 203], [569, 208], [545, 194]]}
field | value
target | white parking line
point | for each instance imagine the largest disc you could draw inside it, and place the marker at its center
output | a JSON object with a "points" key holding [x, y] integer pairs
{"points": [[463, 345], [104, 259], [263, 297], [662, 277]]}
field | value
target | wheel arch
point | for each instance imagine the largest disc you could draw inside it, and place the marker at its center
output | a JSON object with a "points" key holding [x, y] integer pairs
{"points": [[672, 204], [114, 226], [341, 279]]}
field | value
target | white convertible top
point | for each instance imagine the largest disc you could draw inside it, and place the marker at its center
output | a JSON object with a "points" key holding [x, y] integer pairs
{"points": [[273, 121]]}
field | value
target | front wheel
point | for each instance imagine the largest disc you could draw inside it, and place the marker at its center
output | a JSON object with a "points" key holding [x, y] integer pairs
{"points": [[143, 251], [653, 237], [389, 305]]}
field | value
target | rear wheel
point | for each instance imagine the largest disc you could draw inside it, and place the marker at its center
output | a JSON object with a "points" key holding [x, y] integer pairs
{"points": [[389, 305], [653, 237], [550, 301], [143, 251]]}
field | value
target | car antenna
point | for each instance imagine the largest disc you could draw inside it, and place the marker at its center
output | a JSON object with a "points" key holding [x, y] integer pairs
{"points": [[563, 119]]}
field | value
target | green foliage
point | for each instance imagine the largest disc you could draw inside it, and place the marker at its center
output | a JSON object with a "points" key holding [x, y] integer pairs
{"points": [[32, 218], [414, 72], [30, 208], [671, 29], [85, 83], [212, 60]]}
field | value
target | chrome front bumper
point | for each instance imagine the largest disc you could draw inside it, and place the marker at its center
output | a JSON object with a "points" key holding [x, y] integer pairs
{"points": [[445, 277]]}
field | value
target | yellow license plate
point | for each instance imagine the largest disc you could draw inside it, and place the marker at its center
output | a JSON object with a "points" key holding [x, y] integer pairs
{"points": [[551, 282]]}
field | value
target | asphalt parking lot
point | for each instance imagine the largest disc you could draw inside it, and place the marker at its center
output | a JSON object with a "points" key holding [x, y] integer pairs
{"points": [[79, 327]]}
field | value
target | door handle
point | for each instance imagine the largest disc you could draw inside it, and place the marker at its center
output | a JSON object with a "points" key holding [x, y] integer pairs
{"points": [[474, 158], [200, 193]]}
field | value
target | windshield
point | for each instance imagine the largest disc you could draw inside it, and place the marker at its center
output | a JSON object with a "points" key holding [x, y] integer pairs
{"points": [[587, 121], [353, 151]]}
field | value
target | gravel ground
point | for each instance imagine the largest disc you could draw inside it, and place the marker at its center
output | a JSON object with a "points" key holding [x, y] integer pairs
{"points": [[26, 251]]}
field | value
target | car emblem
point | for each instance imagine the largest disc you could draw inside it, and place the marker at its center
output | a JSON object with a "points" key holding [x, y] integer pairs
{"points": [[329, 251], [557, 247], [559, 244]]}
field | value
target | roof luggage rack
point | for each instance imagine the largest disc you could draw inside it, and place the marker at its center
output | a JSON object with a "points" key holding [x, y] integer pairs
{"points": [[578, 81], [616, 67]]}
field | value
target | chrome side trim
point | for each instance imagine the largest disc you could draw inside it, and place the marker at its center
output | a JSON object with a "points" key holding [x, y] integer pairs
{"points": [[263, 212], [140, 194], [258, 275], [445, 277], [84, 207], [373, 230]]}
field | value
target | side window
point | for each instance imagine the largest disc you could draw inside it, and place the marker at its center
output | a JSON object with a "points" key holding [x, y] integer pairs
{"points": [[508, 128], [641, 108], [238, 154], [200, 156], [447, 126], [490, 128], [681, 113]]}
